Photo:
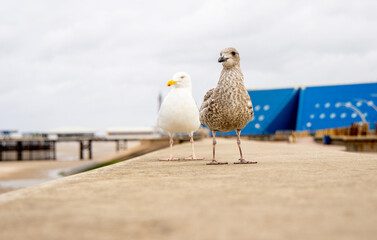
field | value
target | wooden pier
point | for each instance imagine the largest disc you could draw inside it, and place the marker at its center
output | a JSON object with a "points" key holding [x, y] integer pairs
{"points": [[44, 149], [22, 149]]}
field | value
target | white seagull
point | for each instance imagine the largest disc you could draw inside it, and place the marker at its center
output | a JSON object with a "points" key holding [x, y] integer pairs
{"points": [[179, 112]]}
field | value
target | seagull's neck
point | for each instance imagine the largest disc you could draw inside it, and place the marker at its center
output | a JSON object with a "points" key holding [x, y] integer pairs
{"points": [[186, 88], [231, 76], [232, 66]]}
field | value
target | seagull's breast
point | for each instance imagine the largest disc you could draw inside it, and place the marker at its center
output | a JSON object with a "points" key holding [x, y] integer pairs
{"points": [[179, 112], [230, 107]]}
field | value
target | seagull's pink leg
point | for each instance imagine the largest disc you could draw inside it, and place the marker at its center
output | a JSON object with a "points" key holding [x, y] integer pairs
{"points": [[193, 157], [171, 158], [242, 160], [214, 162]]}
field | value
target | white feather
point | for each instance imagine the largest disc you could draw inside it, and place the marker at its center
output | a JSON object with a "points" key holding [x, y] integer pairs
{"points": [[179, 112]]}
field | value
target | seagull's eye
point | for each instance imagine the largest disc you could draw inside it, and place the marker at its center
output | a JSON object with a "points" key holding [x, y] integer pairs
{"points": [[234, 53], [182, 77]]}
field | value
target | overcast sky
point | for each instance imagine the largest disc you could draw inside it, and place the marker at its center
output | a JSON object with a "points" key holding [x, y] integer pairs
{"points": [[102, 64]]}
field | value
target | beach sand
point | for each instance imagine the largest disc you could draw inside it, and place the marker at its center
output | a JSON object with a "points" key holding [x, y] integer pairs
{"points": [[296, 191], [20, 174]]}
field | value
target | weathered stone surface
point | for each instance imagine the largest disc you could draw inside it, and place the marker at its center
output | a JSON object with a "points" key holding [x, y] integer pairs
{"points": [[296, 191]]}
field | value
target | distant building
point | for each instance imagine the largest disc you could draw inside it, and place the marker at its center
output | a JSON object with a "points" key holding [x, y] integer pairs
{"points": [[35, 135], [131, 133], [70, 132], [337, 106], [9, 134]]}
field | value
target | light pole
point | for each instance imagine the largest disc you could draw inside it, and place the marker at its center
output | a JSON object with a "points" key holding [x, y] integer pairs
{"points": [[355, 109], [369, 103]]}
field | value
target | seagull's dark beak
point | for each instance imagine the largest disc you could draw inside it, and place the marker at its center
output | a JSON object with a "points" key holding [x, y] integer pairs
{"points": [[222, 59]]}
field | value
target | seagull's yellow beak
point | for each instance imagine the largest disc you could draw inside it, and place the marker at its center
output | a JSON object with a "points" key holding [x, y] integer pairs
{"points": [[171, 82]]}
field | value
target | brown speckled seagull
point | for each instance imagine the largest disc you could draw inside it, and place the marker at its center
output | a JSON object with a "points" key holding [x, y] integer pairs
{"points": [[227, 107]]}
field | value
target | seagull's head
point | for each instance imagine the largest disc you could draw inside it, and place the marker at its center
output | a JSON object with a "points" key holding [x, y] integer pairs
{"points": [[229, 57], [180, 80]]}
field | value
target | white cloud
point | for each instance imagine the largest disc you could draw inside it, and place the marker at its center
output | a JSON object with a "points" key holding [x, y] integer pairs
{"points": [[103, 63]]}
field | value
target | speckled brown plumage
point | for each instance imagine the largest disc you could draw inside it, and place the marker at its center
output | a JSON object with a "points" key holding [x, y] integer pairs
{"points": [[227, 107]]}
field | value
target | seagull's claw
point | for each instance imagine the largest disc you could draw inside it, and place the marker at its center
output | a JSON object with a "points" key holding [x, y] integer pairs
{"points": [[243, 161], [194, 158], [214, 162], [168, 159]]}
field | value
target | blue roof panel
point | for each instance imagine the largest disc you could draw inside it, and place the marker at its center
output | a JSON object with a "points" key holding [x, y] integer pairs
{"points": [[336, 106]]}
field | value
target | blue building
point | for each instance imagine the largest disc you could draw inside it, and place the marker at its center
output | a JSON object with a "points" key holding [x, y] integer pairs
{"points": [[311, 108], [337, 106]]}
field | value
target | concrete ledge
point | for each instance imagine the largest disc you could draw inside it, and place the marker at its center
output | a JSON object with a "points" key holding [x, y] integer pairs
{"points": [[145, 147], [361, 144], [335, 140], [296, 191], [353, 143]]}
